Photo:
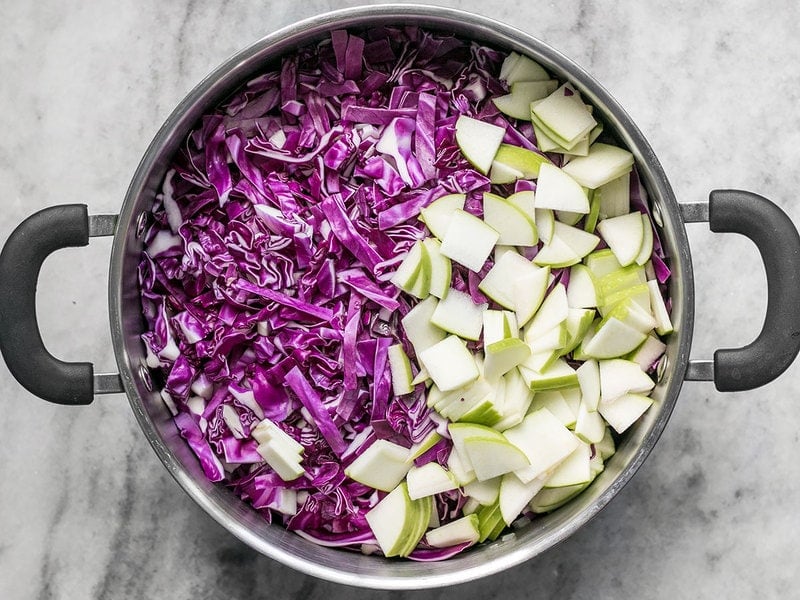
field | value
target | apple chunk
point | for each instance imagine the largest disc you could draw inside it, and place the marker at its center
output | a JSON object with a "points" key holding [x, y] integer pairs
{"points": [[450, 364], [468, 241], [478, 141], [556, 190]]}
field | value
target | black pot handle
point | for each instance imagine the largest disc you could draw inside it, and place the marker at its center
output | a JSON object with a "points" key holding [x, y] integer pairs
{"points": [[20, 341], [777, 239]]}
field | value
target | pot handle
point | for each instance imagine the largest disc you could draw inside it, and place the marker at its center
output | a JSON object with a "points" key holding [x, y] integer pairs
{"points": [[777, 239], [21, 344]]}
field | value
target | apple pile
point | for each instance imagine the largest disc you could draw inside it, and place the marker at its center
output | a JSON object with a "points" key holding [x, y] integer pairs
{"points": [[531, 383]]}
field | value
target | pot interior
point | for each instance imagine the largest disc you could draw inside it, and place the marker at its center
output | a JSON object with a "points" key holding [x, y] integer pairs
{"points": [[245, 523]]}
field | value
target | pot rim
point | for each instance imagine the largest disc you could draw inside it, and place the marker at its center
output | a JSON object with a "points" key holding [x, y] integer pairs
{"points": [[406, 575]]}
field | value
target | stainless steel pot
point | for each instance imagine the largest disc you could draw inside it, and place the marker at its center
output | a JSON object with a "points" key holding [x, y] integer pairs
{"points": [[76, 383]]}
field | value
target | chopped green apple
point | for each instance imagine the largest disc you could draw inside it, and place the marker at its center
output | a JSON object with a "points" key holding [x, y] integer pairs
{"points": [[589, 382], [485, 492], [429, 479], [504, 355], [573, 470], [461, 531], [382, 465], [606, 448], [468, 241], [581, 292], [552, 312], [556, 254], [603, 164], [648, 352], [613, 339], [549, 499], [517, 104], [437, 214], [450, 364], [515, 495], [647, 242], [413, 274], [545, 223], [508, 63], [553, 400], [528, 290], [461, 470], [564, 115], [399, 522], [538, 362], [663, 321], [517, 398], [267, 431], [578, 323], [516, 159], [441, 269], [558, 375], [602, 262], [632, 314], [491, 457], [614, 197], [524, 201], [638, 293], [580, 241], [553, 339], [590, 224], [624, 235], [589, 426], [421, 447], [400, 369], [490, 522], [417, 325], [556, 190], [544, 440], [619, 377], [458, 314], [282, 458], [624, 411], [494, 326], [498, 284], [515, 228], [478, 141], [525, 69], [501, 173]]}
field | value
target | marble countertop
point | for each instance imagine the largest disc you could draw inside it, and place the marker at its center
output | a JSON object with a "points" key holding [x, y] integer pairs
{"points": [[88, 511]]}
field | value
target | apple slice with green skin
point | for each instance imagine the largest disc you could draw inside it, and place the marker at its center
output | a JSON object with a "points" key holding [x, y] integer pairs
{"points": [[558, 191], [614, 197], [463, 472], [648, 352], [421, 377], [624, 411], [501, 173], [508, 63], [618, 281], [429, 479], [543, 141], [581, 292], [417, 325], [606, 447], [619, 377], [490, 522], [458, 314], [517, 398], [485, 492], [267, 430], [450, 364], [515, 158], [500, 249], [638, 294], [421, 286], [524, 201], [556, 254], [491, 457], [630, 313], [494, 326], [514, 226], [564, 116], [663, 321], [525, 69], [515, 495], [589, 426], [422, 510], [558, 375], [647, 242], [568, 217], [460, 531], [549, 499], [589, 382], [498, 284], [441, 269], [468, 241], [580, 241], [603, 164], [517, 104], [544, 440], [392, 519], [602, 262], [578, 323], [552, 312], [573, 470], [478, 141], [528, 291], [554, 339], [538, 362], [421, 447], [545, 223], [590, 224], [459, 432], [383, 465], [503, 356], [624, 235], [612, 339], [282, 458], [411, 275], [400, 369], [437, 214], [554, 401]]}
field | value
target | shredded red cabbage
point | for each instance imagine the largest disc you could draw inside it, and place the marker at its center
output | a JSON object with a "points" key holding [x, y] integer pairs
{"points": [[264, 275]]}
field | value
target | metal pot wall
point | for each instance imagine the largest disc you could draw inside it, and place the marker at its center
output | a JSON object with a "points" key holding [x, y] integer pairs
{"points": [[76, 383]]}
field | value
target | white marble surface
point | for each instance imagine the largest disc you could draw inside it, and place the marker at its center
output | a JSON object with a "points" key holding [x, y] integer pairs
{"points": [[86, 509]]}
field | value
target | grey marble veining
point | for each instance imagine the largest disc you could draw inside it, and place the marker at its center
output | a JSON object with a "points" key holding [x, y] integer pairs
{"points": [[86, 509]]}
